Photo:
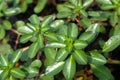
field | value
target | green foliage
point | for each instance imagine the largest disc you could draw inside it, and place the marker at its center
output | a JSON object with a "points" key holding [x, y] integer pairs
{"points": [[62, 43]]}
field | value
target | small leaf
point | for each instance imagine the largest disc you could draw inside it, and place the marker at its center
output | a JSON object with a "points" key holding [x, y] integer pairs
{"points": [[36, 63], [19, 23], [31, 72], [47, 20], [61, 7], [80, 44], [56, 45], [54, 68], [97, 58], [69, 68], [85, 22], [40, 6], [102, 72], [108, 7], [51, 36], [88, 36], [64, 14], [95, 28], [25, 38], [44, 29], [80, 56], [40, 41], [3, 60], [105, 1], [67, 5], [63, 30], [2, 33], [12, 11], [112, 43], [50, 53], [56, 24], [45, 77], [25, 30], [73, 31], [48, 62], [7, 25], [75, 2], [34, 19], [4, 74], [16, 56], [87, 3], [33, 49], [116, 30], [61, 55], [31, 26], [23, 6], [17, 73], [83, 13]]}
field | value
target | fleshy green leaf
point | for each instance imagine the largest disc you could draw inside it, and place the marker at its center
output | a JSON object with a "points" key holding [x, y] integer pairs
{"points": [[102, 72], [45, 77], [69, 68], [61, 55], [25, 38], [73, 31], [105, 1], [36, 63], [31, 72], [87, 3], [34, 19], [48, 62], [88, 36], [63, 30], [4, 74], [55, 45], [33, 49], [83, 13], [31, 26], [108, 7], [40, 41], [80, 44], [64, 14], [7, 25], [16, 56], [95, 28], [80, 56], [40, 6], [25, 30], [56, 24], [85, 22], [51, 36], [12, 11], [61, 7], [112, 43], [50, 53], [17, 73], [3, 60], [23, 6], [97, 58], [47, 20], [116, 30], [54, 68], [75, 2], [2, 33]]}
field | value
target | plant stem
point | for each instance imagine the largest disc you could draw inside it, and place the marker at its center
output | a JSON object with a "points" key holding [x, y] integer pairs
{"points": [[111, 61]]}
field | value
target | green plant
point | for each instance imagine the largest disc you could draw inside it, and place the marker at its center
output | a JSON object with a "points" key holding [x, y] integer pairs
{"points": [[60, 45]]}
